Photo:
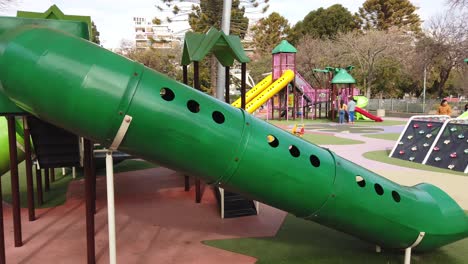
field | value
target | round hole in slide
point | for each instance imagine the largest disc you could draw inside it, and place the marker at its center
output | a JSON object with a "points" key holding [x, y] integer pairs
{"points": [[294, 151], [378, 189], [193, 106], [167, 94], [315, 161], [396, 196], [218, 117], [360, 181], [272, 141]]}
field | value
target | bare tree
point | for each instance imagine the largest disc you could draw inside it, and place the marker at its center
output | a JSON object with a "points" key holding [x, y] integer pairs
{"points": [[458, 3], [369, 49], [6, 3], [446, 44]]}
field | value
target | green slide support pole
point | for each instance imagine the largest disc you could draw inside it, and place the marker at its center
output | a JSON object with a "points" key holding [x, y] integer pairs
{"points": [[189, 131]]}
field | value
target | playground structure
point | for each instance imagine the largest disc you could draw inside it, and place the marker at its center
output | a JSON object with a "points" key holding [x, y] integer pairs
{"points": [[437, 140], [300, 97], [126, 102]]}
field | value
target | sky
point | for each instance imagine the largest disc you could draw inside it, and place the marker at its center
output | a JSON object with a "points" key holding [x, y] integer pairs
{"points": [[114, 18]]}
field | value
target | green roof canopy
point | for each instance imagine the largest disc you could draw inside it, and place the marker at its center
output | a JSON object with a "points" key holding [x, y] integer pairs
{"points": [[55, 13], [284, 47], [343, 77], [225, 48]]}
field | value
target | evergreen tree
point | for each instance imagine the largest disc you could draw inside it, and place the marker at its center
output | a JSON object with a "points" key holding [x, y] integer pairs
{"points": [[326, 23], [269, 32], [95, 33], [384, 14]]}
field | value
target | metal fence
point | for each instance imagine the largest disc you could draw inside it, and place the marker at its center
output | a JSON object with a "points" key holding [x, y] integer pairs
{"points": [[412, 105]]}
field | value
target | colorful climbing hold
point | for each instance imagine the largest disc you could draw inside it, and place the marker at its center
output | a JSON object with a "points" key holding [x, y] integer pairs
{"points": [[429, 135], [446, 142], [451, 166], [453, 129], [411, 158], [410, 136], [461, 136], [429, 125], [415, 125], [401, 152], [414, 148], [400, 143], [436, 148], [453, 155], [437, 159], [466, 151], [425, 145], [421, 132]]}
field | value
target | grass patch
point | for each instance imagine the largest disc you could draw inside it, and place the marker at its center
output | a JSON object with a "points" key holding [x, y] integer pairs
{"points": [[58, 189], [303, 242], [54, 197], [323, 139], [386, 136], [382, 156]]}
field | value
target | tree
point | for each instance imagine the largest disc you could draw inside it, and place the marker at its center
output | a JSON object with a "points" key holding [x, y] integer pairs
{"points": [[443, 49], [204, 14], [95, 33], [326, 23], [164, 61], [384, 14], [269, 31], [458, 3], [5, 3], [369, 49]]}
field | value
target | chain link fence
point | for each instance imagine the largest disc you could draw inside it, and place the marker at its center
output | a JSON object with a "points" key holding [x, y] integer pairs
{"points": [[413, 105]]}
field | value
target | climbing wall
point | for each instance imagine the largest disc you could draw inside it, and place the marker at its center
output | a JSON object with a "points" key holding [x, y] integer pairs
{"points": [[451, 149], [417, 138]]}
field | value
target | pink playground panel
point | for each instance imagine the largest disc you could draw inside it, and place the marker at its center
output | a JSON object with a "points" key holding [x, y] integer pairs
{"points": [[282, 62]]}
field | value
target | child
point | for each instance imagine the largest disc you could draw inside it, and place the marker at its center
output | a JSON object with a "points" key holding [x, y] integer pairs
{"points": [[341, 111]]}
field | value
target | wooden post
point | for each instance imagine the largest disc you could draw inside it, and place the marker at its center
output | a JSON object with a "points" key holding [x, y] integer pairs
{"points": [[28, 164], [185, 80], [226, 85], [93, 176], [46, 180], [14, 181], [90, 243], [243, 82], [52, 174], [40, 196], [2, 236], [196, 84]]}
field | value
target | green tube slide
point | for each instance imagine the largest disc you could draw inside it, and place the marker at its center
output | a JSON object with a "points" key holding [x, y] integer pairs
{"points": [[189, 131], [4, 152]]}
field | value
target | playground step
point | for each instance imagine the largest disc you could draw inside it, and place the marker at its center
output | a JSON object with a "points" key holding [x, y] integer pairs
{"points": [[236, 205], [54, 147]]}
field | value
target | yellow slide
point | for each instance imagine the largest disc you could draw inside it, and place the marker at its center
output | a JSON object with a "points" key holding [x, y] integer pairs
{"points": [[270, 91], [256, 90]]}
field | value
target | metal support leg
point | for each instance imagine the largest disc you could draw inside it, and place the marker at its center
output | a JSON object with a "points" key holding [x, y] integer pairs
{"points": [[14, 181], [90, 243], [197, 191], [111, 207], [40, 196], [29, 165], [52, 174], [2, 236], [187, 183], [408, 255], [46, 180]]}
